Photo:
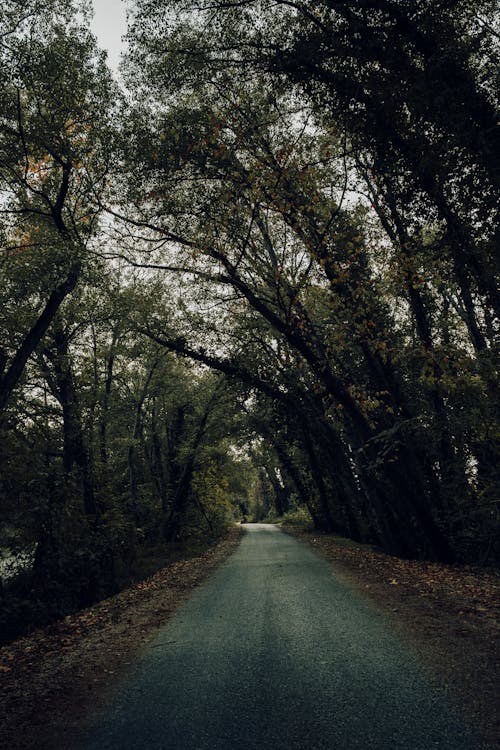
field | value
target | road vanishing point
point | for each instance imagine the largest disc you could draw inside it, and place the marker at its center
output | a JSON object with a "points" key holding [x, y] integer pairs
{"points": [[273, 652]]}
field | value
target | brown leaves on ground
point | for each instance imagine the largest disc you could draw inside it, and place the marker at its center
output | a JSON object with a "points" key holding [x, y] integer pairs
{"points": [[449, 614], [51, 680], [464, 589]]}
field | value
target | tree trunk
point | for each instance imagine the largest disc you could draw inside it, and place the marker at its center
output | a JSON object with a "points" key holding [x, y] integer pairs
{"points": [[10, 376], [74, 449]]}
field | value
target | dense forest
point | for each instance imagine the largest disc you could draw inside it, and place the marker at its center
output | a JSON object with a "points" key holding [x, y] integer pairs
{"points": [[257, 275]]}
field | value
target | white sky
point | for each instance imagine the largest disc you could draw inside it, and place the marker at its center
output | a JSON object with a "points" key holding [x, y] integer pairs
{"points": [[109, 25]]}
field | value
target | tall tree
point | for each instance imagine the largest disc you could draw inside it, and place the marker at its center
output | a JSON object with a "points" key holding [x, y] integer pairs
{"points": [[56, 97]]}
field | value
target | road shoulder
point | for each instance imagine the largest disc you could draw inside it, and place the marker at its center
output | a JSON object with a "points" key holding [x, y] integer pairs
{"points": [[448, 615], [53, 679]]}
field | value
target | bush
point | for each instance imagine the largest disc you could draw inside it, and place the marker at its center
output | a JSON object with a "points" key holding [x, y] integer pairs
{"points": [[299, 517]]}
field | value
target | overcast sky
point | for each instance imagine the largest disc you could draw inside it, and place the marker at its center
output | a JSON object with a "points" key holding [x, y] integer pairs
{"points": [[109, 25]]}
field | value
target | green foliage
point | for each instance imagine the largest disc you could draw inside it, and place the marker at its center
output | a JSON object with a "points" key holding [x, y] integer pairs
{"points": [[299, 518], [211, 497], [371, 318], [257, 285]]}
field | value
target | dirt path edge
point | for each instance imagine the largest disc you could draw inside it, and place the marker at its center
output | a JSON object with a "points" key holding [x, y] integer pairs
{"points": [[449, 615], [53, 680]]}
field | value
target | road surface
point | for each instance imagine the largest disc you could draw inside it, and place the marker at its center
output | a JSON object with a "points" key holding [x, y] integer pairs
{"points": [[273, 653]]}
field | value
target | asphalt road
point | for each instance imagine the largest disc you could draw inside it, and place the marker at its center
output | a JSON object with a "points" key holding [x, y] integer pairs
{"points": [[273, 653]]}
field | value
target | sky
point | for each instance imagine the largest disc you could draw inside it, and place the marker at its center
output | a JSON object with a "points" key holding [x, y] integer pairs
{"points": [[109, 25]]}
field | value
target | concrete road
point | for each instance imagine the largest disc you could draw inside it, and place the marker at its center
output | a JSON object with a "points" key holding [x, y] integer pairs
{"points": [[273, 653]]}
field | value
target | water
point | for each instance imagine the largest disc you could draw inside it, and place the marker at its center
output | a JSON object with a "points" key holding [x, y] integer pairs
{"points": [[14, 562]]}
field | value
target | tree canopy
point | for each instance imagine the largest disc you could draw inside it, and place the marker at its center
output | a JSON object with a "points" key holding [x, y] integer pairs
{"points": [[262, 277]]}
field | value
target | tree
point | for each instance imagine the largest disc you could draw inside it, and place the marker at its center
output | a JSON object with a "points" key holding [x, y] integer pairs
{"points": [[229, 151], [54, 153]]}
